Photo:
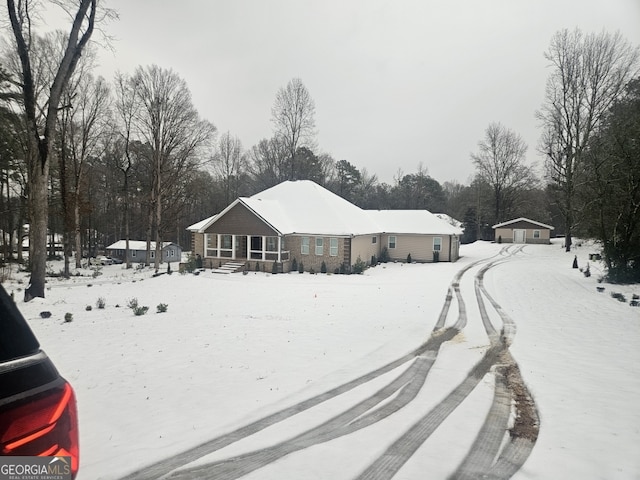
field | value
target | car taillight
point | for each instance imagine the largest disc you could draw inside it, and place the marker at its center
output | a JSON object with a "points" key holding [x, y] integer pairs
{"points": [[46, 426]]}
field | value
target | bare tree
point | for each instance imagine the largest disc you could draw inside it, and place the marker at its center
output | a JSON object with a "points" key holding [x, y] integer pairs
{"points": [[267, 163], [589, 73], [125, 112], [41, 132], [169, 123], [228, 164], [293, 117], [500, 163]]}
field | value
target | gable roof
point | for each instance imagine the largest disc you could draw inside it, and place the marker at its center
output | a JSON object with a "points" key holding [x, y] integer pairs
{"points": [[523, 219], [303, 207]]}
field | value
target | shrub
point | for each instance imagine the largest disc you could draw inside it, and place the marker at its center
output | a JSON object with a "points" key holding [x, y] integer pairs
{"points": [[618, 296], [409, 258], [257, 266], [137, 311], [294, 265], [132, 303], [88, 308], [68, 317], [323, 267], [162, 307], [100, 303], [274, 268], [96, 271], [384, 255], [374, 260], [359, 266], [436, 256], [301, 268], [337, 271], [190, 266], [499, 238]]}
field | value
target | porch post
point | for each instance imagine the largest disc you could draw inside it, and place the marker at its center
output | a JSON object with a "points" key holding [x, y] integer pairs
{"points": [[264, 248], [248, 247], [218, 245], [233, 246], [279, 249]]}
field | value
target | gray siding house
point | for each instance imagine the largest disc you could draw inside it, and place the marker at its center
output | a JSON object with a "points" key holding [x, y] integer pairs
{"points": [[171, 252]]}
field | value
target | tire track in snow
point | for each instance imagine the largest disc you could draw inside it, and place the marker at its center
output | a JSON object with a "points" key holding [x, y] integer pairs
{"points": [[408, 384]]}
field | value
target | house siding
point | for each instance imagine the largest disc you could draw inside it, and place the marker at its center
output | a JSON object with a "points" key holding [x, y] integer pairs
{"points": [[505, 234], [241, 221], [363, 247], [419, 246]]}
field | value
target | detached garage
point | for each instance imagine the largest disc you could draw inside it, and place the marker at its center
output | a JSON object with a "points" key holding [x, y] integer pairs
{"points": [[522, 230]]}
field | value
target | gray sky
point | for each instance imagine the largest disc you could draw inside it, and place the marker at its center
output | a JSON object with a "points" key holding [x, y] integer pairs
{"points": [[396, 83]]}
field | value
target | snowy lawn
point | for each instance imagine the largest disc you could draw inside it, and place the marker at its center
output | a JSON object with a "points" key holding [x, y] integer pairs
{"points": [[234, 348]]}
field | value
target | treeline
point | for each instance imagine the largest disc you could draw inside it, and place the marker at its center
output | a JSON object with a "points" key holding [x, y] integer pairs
{"points": [[131, 157]]}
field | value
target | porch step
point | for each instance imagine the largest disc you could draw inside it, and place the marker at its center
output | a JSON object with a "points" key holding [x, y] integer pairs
{"points": [[229, 267]]}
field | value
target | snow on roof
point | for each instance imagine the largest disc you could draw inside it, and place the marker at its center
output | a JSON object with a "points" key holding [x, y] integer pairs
{"points": [[197, 226], [420, 222], [135, 245], [449, 219], [304, 207], [523, 219]]}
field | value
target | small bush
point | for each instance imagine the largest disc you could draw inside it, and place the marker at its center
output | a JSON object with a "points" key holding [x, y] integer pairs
{"points": [[436, 256], [162, 307], [359, 266], [274, 268], [100, 303], [137, 311], [618, 296], [96, 271], [635, 296], [409, 258], [132, 303], [374, 260], [337, 271], [384, 255], [45, 314], [301, 267], [88, 308], [323, 267], [68, 317], [312, 271], [294, 265]]}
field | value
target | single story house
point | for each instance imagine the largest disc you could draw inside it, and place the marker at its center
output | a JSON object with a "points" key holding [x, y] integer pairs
{"points": [[302, 221], [522, 230], [171, 252]]}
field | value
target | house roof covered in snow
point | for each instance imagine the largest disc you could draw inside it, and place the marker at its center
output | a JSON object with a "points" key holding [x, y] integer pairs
{"points": [[135, 245], [523, 219], [421, 222], [305, 208]]}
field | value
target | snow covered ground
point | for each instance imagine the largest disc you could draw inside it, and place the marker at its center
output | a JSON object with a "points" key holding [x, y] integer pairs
{"points": [[232, 349]]}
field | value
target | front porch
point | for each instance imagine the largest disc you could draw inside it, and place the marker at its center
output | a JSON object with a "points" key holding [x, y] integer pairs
{"points": [[224, 247]]}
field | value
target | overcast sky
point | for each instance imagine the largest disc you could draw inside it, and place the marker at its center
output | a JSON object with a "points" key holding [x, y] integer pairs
{"points": [[396, 83]]}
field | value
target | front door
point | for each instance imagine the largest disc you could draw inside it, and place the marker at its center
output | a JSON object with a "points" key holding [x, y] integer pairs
{"points": [[519, 236]]}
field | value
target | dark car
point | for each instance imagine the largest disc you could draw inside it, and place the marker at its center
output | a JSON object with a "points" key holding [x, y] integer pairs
{"points": [[38, 414]]}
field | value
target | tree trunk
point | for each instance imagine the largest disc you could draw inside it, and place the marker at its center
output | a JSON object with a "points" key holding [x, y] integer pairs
{"points": [[39, 215]]}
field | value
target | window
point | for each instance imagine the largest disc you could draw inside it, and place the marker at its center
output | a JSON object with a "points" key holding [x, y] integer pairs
{"points": [[374, 240], [210, 245], [304, 249], [392, 241], [272, 244], [319, 246], [437, 244], [226, 241], [333, 247], [171, 252], [536, 234]]}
